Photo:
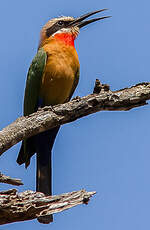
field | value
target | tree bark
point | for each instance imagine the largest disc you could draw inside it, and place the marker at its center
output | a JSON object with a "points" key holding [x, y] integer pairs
{"points": [[30, 205], [102, 99], [9, 180]]}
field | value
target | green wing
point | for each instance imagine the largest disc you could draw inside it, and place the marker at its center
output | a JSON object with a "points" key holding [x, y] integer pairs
{"points": [[31, 98], [33, 83]]}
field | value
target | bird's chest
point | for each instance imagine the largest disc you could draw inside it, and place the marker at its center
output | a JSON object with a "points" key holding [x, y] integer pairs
{"points": [[58, 77]]}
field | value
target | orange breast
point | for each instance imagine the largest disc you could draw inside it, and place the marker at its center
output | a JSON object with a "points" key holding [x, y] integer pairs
{"points": [[60, 72]]}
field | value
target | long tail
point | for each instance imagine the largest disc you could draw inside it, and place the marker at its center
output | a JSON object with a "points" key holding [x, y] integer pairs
{"points": [[43, 144]]}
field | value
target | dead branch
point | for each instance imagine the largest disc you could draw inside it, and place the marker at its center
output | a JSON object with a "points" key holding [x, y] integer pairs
{"points": [[9, 180], [30, 205], [102, 99]]}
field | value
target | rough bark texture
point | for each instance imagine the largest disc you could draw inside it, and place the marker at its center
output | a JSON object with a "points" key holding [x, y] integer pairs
{"points": [[9, 180], [30, 205], [102, 99]]}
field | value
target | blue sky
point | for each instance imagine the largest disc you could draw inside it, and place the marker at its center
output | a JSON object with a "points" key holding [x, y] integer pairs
{"points": [[107, 151]]}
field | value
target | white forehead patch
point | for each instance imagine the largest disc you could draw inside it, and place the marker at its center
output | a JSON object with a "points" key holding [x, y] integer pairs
{"points": [[63, 18]]}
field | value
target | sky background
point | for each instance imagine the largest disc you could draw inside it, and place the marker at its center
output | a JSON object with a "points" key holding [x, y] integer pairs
{"points": [[108, 152]]}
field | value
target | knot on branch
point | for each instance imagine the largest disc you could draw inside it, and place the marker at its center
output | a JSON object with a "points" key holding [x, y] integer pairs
{"points": [[99, 87]]}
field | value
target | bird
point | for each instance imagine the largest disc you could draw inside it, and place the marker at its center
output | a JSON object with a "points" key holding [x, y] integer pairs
{"points": [[52, 79]]}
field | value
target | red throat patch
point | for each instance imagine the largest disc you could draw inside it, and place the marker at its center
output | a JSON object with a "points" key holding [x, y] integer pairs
{"points": [[67, 38]]}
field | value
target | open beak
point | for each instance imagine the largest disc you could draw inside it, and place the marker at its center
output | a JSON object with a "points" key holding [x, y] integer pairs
{"points": [[80, 21]]}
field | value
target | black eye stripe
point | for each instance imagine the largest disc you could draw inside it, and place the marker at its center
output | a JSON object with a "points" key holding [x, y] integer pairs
{"points": [[60, 23], [57, 26]]}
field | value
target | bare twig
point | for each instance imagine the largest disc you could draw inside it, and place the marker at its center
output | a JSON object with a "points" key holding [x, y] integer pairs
{"points": [[30, 205], [9, 180], [102, 99]]}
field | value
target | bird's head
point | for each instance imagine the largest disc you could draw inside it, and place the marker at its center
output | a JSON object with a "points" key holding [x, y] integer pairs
{"points": [[66, 28]]}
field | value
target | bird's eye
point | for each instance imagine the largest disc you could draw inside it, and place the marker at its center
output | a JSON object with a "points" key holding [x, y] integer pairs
{"points": [[60, 23]]}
